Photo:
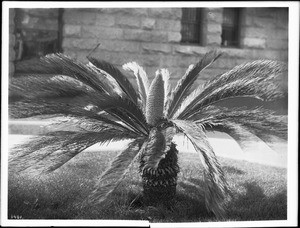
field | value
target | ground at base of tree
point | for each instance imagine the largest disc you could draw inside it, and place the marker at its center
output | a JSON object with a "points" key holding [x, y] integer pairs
{"points": [[259, 193]]}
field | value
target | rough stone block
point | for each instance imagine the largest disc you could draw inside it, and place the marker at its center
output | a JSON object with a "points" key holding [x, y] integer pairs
{"points": [[139, 11], [213, 39], [128, 11], [177, 13], [156, 47], [128, 21], [147, 36], [280, 34], [277, 44], [72, 30], [120, 46], [79, 17], [254, 43], [159, 36], [136, 34], [39, 12], [174, 36], [247, 20], [254, 32], [105, 19], [148, 23], [171, 13], [263, 22], [82, 44], [101, 32], [214, 28], [168, 25], [214, 15]]}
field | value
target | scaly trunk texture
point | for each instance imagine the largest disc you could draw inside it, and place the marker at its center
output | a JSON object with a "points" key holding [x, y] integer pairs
{"points": [[159, 186]]}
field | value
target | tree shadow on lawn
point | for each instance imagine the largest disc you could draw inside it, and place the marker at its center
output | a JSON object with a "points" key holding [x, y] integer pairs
{"points": [[251, 204], [59, 195], [256, 205]]}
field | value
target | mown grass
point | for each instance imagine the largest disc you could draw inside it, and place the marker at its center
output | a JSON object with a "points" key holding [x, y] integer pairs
{"points": [[259, 193]]}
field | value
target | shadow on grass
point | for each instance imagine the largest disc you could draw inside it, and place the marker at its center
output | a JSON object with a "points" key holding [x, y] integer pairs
{"points": [[129, 205], [251, 204], [256, 205], [59, 195], [126, 203]]}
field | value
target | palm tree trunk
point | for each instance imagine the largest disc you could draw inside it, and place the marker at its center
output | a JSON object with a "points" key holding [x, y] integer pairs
{"points": [[159, 186]]}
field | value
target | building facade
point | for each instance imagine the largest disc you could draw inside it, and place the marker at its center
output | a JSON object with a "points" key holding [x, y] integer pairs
{"points": [[155, 38]]}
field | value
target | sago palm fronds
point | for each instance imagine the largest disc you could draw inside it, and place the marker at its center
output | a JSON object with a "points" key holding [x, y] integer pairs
{"points": [[141, 79], [114, 174], [99, 104]]}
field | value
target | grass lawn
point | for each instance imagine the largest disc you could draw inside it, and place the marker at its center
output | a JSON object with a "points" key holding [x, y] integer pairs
{"points": [[259, 193]]}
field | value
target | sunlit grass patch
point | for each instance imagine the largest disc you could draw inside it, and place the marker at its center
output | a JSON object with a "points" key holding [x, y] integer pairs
{"points": [[258, 191]]}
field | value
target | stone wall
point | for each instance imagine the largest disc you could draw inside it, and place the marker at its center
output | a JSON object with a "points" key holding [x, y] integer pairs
{"points": [[151, 37], [12, 41]]}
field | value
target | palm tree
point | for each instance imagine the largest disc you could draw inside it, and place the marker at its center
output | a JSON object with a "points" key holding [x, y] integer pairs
{"points": [[104, 106]]}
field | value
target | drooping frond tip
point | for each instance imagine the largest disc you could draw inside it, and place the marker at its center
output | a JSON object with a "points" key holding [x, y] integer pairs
{"points": [[110, 179], [216, 187]]}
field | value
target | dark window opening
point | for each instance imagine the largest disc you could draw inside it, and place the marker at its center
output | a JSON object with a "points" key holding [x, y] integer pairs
{"points": [[191, 29], [230, 27], [38, 32]]}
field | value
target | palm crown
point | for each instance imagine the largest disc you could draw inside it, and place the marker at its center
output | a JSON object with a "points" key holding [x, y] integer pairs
{"points": [[103, 104]]}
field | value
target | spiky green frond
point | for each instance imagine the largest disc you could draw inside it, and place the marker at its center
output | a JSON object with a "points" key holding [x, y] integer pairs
{"points": [[183, 86], [60, 64], [141, 79], [215, 183], [47, 153], [116, 171], [245, 126], [37, 104], [121, 79], [126, 111], [155, 100], [261, 122], [158, 143], [86, 124], [192, 97], [37, 86], [255, 79]]}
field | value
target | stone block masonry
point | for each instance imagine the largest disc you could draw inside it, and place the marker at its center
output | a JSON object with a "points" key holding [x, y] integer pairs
{"points": [[151, 37], [12, 42]]}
